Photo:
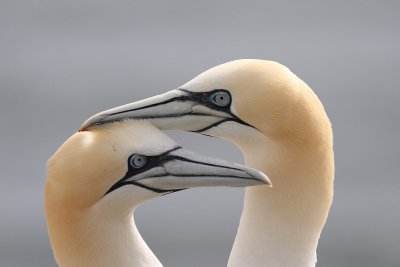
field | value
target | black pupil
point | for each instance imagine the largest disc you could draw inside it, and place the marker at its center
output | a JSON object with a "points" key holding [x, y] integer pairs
{"points": [[138, 161], [219, 97]]}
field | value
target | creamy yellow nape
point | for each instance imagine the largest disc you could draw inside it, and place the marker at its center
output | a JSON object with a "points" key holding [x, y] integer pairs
{"points": [[97, 178], [281, 128], [87, 228], [292, 144]]}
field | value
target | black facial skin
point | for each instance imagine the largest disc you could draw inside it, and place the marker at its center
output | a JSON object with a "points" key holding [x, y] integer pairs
{"points": [[157, 161], [201, 98], [152, 161]]}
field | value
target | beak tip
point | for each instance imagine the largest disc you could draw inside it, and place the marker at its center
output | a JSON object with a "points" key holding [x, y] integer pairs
{"points": [[96, 119], [261, 177], [82, 128], [268, 182], [86, 125]]}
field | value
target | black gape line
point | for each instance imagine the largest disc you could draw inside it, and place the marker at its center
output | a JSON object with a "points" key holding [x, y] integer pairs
{"points": [[157, 161], [201, 98], [152, 161]]}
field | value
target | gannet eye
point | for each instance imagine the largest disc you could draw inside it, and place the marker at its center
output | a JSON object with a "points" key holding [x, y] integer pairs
{"points": [[138, 161], [220, 98]]}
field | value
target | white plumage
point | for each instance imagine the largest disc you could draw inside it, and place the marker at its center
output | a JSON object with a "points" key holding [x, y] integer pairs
{"points": [[98, 177], [281, 128]]}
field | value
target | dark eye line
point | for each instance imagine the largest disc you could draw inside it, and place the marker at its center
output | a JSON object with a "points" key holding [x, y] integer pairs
{"points": [[152, 161], [136, 160], [203, 98], [220, 99]]}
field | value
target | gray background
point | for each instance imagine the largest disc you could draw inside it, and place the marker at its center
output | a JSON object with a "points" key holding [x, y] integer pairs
{"points": [[61, 61]]}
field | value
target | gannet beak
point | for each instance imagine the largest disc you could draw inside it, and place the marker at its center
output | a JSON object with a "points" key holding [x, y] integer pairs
{"points": [[178, 109], [180, 169]]}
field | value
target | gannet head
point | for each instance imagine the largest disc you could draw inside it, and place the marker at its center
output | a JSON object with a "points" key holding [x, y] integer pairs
{"points": [[132, 161], [235, 98], [98, 176], [280, 126]]}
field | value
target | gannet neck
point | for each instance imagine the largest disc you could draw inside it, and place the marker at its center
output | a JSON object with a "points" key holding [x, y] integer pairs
{"points": [[281, 128], [98, 177], [281, 226], [99, 236]]}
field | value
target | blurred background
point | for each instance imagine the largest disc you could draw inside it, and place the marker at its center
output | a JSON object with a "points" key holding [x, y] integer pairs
{"points": [[62, 61]]}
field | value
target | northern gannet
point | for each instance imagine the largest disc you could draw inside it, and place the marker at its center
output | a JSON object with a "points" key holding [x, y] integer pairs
{"points": [[281, 128], [97, 178]]}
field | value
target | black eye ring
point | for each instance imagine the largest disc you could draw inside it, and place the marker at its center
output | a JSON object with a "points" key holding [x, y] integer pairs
{"points": [[220, 98], [138, 161]]}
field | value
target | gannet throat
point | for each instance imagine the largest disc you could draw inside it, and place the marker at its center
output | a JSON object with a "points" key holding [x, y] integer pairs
{"points": [[98, 177], [281, 128]]}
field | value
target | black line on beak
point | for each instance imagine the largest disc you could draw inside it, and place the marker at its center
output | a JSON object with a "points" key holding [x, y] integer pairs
{"points": [[157, 161], [222, 121], [179, 98], [200, 98], [153, 161], [156, 190], [173, 157]]}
